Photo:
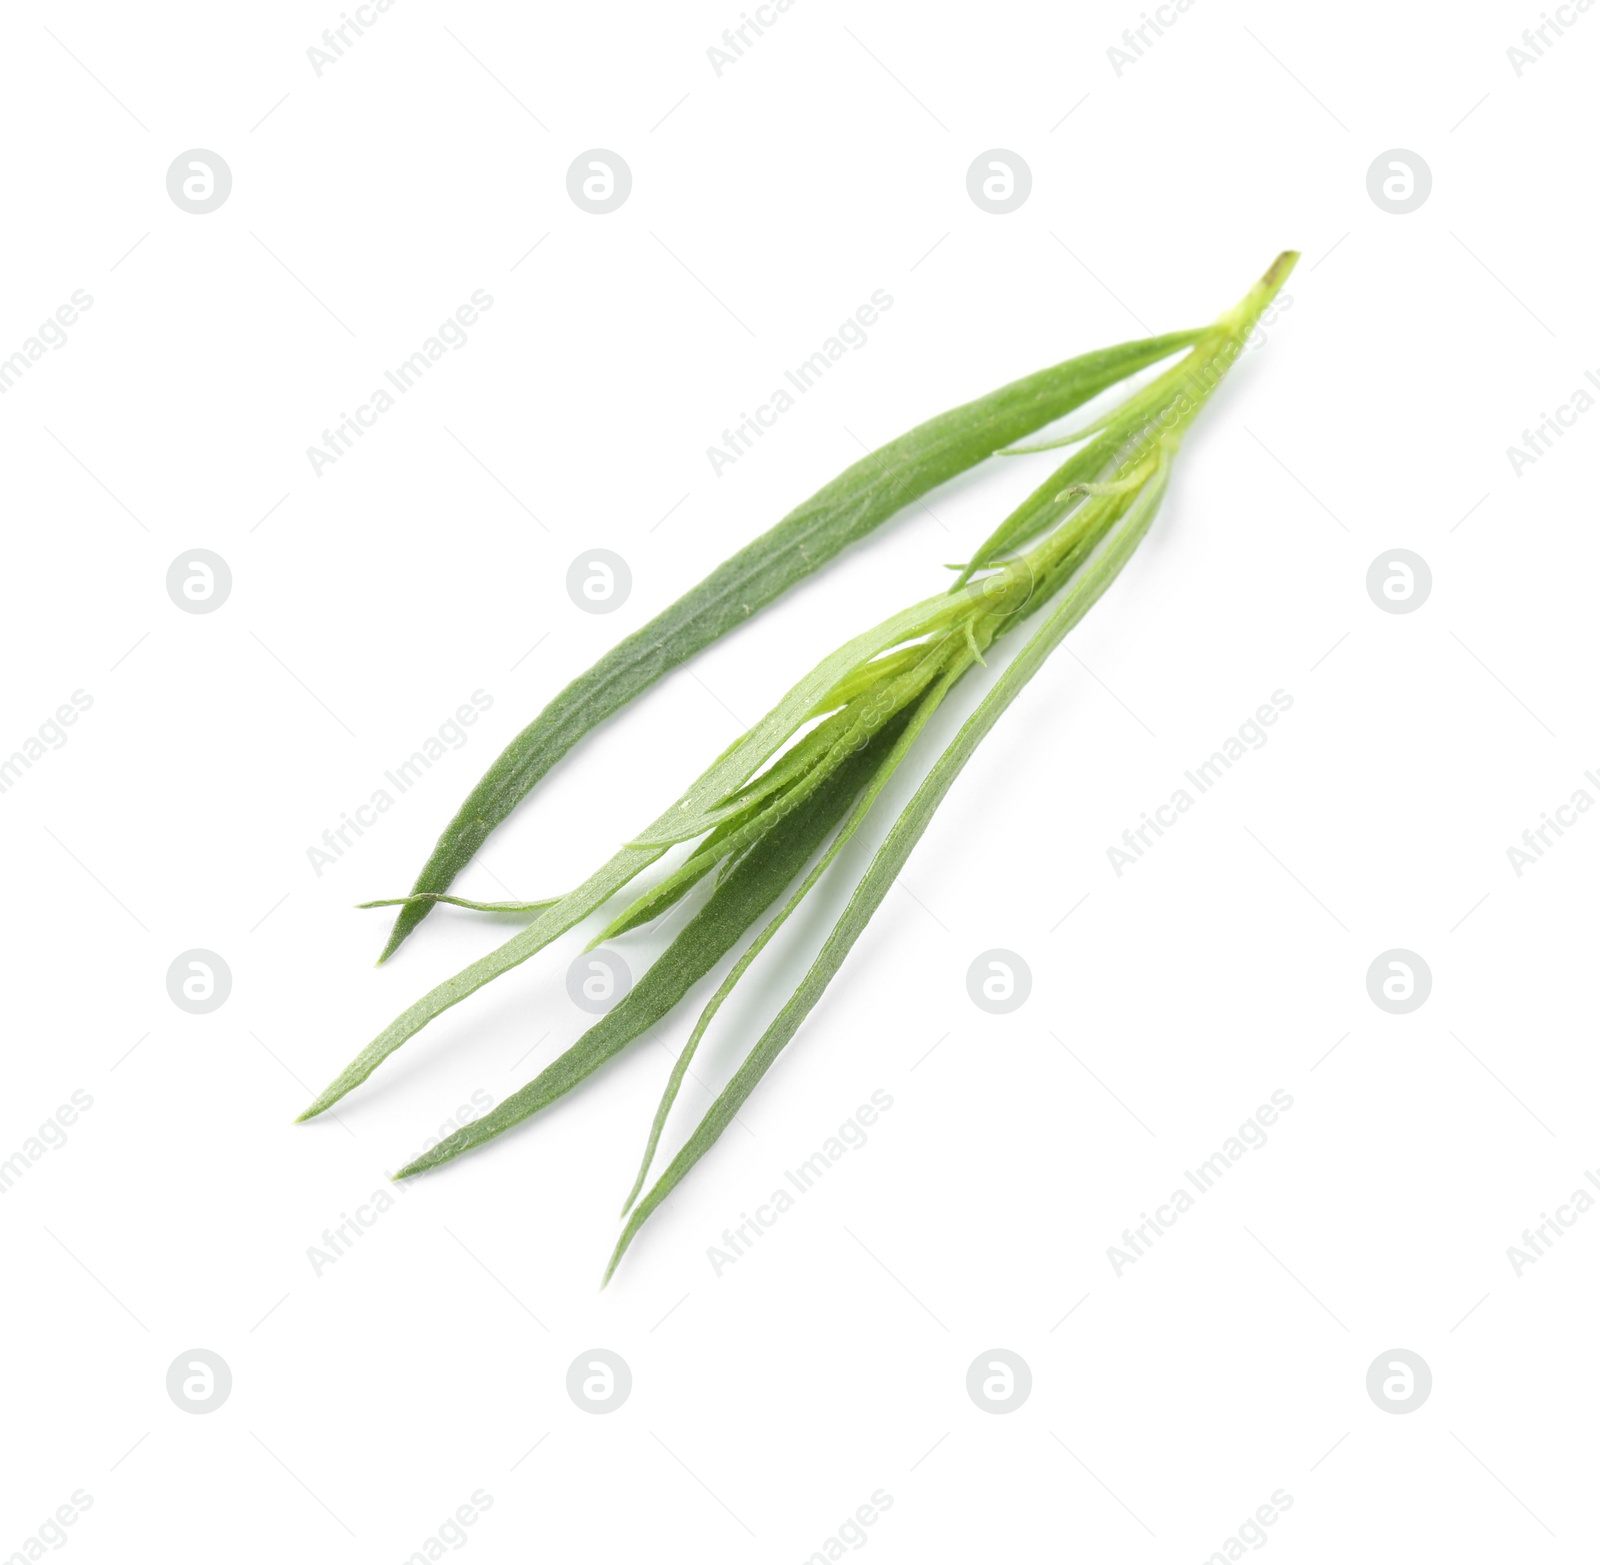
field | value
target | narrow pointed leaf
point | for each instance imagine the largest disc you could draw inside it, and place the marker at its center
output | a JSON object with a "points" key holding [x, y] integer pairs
{"points": [[859, 500], [1129, 511], [685, 819], [738, 901], [904, 735], [479, 907], [891, 858]]}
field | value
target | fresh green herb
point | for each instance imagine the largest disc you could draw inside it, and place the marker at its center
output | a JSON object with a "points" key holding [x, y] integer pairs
{"points": [[860, 499], [769, 803], [742, 894], [709, 793], [1126, 469], [891, 857], [431, 897]]}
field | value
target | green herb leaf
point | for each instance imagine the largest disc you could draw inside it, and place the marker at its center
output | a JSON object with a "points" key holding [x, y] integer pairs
{"points": [[890, 859], [479, 907], [740, 898], [859, 500], [904, 732], [1084, 556], [868, 699], [736, 764]]}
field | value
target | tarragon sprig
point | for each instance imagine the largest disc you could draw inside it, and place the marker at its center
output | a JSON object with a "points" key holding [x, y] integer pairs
{"points": [[772, 801]]}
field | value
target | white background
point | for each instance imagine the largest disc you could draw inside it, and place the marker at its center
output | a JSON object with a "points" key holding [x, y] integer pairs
{"points": [[769, 1402]]}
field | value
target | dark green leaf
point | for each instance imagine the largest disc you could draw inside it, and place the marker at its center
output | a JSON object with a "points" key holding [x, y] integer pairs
{"points": [[1096, 576], [740, 898], [859, 500]]}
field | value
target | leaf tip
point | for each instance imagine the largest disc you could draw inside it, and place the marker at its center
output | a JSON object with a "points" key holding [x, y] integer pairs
{"points": [[1283, 263], [410, 915]]}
